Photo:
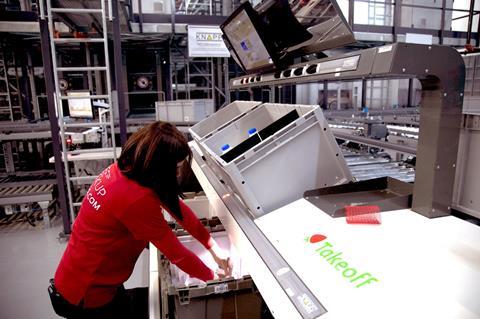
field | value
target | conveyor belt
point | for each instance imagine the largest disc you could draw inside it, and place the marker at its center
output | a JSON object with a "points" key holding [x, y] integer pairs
{"points": [[25, 194], [365, 166], [17, 221], [27, 188], [17, 190]]}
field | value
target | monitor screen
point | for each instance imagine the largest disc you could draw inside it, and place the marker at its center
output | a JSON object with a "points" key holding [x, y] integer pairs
{"points": [[80, 108], [247, 43], [273, 33]]}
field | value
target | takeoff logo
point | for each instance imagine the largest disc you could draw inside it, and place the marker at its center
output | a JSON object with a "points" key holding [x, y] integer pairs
{"points": [[335, 258]]}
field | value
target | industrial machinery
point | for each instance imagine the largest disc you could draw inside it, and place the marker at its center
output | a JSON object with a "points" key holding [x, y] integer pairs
{"points": [[306, 261]]}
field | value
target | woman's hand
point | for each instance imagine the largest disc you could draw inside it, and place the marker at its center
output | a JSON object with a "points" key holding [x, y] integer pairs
{"points": [[224, 263], [224, 267]]}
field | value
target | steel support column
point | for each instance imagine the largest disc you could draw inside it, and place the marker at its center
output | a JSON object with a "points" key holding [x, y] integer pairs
{"points": [[88, 60], [351, 7], [117, 53], [478, 33], [57, 153], [226, 80], [84, 50], [140, 16], [167, 74], [470, 21], [410, 92], [27, 105], [442, 23], [325, 95], [31, 77], [158, 67], [364, 93], [397, 18]]}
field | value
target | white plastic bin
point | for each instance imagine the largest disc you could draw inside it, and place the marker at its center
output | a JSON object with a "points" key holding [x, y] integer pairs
{"points": [[221, 118], [184, 111], [299, 154]]}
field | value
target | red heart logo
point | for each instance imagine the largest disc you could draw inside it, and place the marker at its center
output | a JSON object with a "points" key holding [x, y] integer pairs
{"points": [[317, 238]]}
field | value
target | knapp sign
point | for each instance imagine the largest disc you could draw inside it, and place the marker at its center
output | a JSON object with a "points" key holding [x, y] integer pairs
{"points": [[206, 42]]}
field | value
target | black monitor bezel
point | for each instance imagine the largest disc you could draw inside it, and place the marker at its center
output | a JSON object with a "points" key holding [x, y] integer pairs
{"points": [[254, 18]]}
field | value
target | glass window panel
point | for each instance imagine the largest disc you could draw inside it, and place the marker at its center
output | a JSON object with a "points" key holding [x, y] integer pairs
{"points": [[421, 18], [454, 41], [462, 4], [343, 4], [361, 13], [456, 21]]}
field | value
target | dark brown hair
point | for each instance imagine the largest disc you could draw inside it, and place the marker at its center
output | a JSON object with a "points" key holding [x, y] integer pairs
{"points": [[150, 157]]}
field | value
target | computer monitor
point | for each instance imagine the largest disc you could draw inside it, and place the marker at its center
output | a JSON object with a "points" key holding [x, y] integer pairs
{"points": [[273, 33], [78, 107], [246, 40]]}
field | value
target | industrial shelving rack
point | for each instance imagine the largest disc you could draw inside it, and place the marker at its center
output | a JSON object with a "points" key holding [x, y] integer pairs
{"points": [[8, 89]]}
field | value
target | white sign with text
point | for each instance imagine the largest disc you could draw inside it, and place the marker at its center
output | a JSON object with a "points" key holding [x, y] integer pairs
{"points": [[206, 42]]}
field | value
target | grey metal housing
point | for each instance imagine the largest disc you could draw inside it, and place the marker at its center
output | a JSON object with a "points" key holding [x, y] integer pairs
{"points": [[441, 71]]}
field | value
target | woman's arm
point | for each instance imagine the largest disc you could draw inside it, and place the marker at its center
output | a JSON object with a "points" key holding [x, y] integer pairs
{"points": [[179, 255], [144, 219], [193, 225]]}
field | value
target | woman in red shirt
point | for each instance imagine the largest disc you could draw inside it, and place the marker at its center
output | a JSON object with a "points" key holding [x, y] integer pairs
{"points": [[120, 214]]}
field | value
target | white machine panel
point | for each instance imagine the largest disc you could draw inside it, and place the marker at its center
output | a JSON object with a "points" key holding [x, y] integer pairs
{"points": [[407, 267]]}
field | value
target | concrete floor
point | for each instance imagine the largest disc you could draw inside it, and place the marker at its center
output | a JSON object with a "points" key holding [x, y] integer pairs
{"points": [[29, 257]]}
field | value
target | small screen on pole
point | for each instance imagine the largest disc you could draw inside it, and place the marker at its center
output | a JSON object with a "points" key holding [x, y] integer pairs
{"points": [[78, 107]]}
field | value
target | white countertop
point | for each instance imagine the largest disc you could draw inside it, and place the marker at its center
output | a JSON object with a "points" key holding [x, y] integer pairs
{"points": [[426, 268]]}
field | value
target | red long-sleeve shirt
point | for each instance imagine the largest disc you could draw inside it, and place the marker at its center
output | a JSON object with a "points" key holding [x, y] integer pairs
{"points": [[117, 219]]}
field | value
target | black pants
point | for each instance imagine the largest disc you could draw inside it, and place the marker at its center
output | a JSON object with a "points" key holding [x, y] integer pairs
{"points": [[127, 304]]}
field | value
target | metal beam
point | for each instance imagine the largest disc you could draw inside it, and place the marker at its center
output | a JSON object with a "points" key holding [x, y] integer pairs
{"points": [[117, 53], [325, 95], [140, 14], [364, 94], [397, 14], [31, 77], [167, 75], [180, 18], [27, 104], [442, 23], [375, 143], [478, 34], [19, 27], [57, 153], [470, 21], [351, 7], [410, 92], [158, 73]]}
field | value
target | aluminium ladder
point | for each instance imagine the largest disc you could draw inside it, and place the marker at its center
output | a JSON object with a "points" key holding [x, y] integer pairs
{"points": [[103, 122]]}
